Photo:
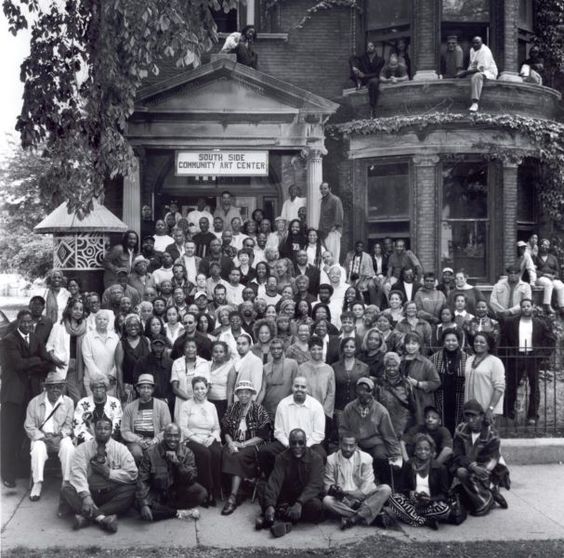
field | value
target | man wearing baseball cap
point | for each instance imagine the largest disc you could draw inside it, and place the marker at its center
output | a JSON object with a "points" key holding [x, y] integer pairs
{"points": [[370, 424], [144, 419], [478, 464]]}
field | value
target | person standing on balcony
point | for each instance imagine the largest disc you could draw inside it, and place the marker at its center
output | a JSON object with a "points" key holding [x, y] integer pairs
{"points": [[482, 66], [331, 217], [452, 61]]}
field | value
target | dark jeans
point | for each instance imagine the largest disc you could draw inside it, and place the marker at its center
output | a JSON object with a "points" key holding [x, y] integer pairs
{"points": [[267, 456], [185, 497], [115, 500], [208, 463], [12, 417], [312, 510]]}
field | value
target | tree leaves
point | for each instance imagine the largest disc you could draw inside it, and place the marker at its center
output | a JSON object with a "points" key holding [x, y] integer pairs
{"points": [[88, 58]]}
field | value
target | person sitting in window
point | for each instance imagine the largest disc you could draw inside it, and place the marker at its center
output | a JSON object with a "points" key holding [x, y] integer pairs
{"points": [[365, 71], [393, 71], [452, 61], [245, 50], [482, 66], [532, 70]]}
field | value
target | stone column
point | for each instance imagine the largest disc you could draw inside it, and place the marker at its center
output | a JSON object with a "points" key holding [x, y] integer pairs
{"points": [[510, 62], [427, 37], [426, 213], [510, 201], [132, 197], [314, 180]]}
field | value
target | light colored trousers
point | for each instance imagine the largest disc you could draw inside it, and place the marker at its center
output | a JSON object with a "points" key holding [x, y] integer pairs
{"points": [[333, 244], [369, 509], [39, 456], [550, 285], [476, 85]]}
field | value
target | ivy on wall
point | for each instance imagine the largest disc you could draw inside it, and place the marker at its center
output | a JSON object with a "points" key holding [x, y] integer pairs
{"points": [[546, 138], [318, 7]]}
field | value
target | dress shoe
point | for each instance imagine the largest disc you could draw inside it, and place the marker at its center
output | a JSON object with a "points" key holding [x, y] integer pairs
{"points": [[35, 493], [280, 528], [500, 500], [9, 483], [229, 507], [212, 503], [109, 523], [79, 522], [262, 523], [432, 524], [384, 520], [348, 522]]}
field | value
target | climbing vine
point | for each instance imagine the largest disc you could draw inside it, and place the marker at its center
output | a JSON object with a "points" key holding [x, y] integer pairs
{"points": [[546, 138], [317, 7], [549, 18]]}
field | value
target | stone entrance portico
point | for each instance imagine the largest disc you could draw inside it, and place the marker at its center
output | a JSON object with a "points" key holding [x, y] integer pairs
{"points": [[224, 106]]}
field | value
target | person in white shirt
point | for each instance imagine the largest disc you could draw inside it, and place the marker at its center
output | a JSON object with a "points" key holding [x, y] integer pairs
{"points": [[291, 206], [271, 291], [164, 273], [259, 255], [298, 410], [237, 237], [482, 66], [190, 261], [351, 489], [234, 288], [162, 239], [200, 212]]}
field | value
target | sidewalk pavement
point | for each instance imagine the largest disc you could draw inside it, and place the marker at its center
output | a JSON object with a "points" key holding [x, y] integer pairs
{"points": [[536, 512]]}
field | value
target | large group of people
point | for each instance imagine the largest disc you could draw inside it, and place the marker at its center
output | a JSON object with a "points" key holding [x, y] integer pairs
{"points": [[226, 357], [371, 70]]}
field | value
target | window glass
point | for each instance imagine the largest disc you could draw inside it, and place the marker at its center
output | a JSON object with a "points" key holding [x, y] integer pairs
{"points": [[465, 222], [526, 14], [466, 10], [387, 13], [526, 178], [388, 192]]}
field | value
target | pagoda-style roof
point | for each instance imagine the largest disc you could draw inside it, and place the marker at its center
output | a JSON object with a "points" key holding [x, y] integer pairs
{"points": [[100, 219]]}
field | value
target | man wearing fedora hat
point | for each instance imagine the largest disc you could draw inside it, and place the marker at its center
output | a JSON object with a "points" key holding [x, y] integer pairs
{"points": [[48, 425], [144, 419], [140, 278]]}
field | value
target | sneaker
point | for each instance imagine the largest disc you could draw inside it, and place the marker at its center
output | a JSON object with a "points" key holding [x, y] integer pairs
{"points": [[109, 523], [79, 522], [384, 520], [473, 107]]}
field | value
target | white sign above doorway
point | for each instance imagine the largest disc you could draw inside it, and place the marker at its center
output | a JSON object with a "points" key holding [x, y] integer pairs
{"points": [[221, 163]]}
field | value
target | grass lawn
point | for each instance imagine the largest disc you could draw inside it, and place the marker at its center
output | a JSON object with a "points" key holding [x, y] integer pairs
{"points": [[368, 548]]}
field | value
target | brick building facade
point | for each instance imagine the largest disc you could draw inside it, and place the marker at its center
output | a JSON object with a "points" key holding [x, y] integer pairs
{"points": [[437, 186]]}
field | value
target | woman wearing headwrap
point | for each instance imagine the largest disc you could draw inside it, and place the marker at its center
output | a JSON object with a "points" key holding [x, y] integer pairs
{"points": [[56, 296]]}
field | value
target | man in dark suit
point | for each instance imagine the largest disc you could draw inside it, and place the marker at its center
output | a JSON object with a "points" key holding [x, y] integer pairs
{"points": [[25, 363], [215, 255], [177, 248], [528, 341], [42, 325], [310, 271], [407, 285]]}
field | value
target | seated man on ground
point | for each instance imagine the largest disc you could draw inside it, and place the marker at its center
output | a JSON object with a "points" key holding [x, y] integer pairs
{"points": [[167, 478], [144, 419], [293, 492], [351, 490], [478, 463], [297, 411], [370, 424], [48, 425], [102, 480]]}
